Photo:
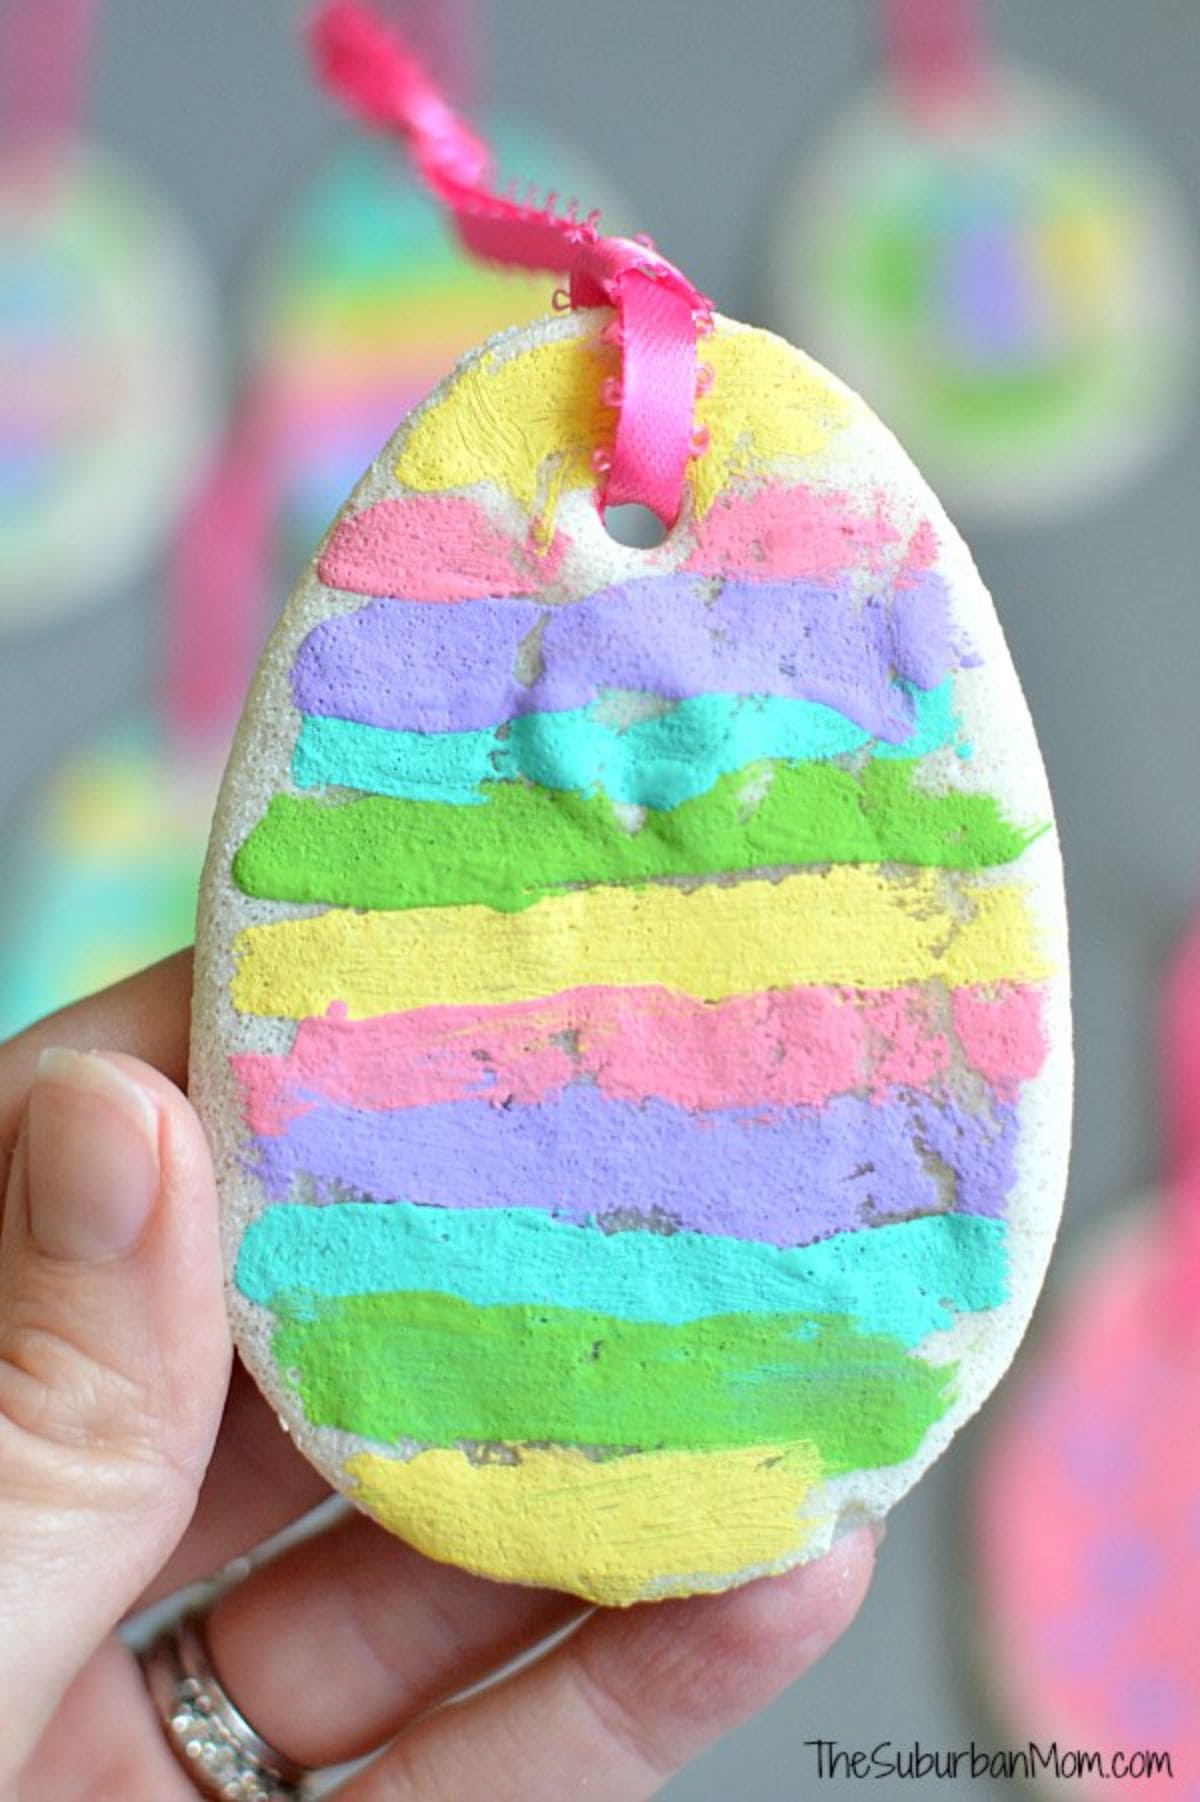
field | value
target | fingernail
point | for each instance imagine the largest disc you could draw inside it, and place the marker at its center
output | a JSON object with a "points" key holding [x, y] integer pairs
{"points": [[853, 1548], [879, 1530], [92, 1157]]}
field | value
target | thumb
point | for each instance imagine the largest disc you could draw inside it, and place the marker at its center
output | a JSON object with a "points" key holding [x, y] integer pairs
{"points": [[113, 1364]]}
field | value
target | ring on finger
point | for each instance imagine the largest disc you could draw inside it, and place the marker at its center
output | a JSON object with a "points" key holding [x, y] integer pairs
{"points": [[206, 1730]]}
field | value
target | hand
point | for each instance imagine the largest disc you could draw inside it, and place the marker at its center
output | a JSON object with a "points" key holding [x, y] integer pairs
{"points": [[129, 1466]]}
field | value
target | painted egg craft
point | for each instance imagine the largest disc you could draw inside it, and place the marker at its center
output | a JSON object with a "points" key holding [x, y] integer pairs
{"points": [[631, 1013]]}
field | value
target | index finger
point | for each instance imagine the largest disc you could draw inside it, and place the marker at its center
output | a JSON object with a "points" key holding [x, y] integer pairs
{"points": [[632, 1696]]}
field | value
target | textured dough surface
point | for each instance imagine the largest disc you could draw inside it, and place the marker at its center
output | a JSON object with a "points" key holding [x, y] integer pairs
{"points": [[631, 1009]]}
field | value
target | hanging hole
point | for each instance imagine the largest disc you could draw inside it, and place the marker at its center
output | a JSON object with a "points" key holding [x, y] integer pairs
{"points": [[635, 526]]}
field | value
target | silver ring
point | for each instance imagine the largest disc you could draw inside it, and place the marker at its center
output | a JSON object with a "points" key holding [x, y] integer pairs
{"points": [[209, 1735]]}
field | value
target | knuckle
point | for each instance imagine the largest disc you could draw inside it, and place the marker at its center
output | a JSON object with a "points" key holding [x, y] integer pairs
{"points": [[401, 1775], [61, 1407], [633, 1717]]}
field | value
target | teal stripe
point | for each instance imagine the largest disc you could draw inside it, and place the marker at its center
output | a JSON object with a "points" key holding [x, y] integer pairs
{"points": [[906, 1279], [656, 762]]}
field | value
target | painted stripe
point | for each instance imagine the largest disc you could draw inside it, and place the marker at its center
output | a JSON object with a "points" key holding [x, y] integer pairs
{"points": [[906, 1280], [443, 547], [786, 1048], [601, 1529], [450, 548], [782, 529], [420, 666], [849, 926], [1001, 1035], [782, 1176], [530, 423], [658, 762], [432, 1368], [527, 843]]}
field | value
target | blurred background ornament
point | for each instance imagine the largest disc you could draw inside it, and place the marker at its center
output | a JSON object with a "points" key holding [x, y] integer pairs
{"points": [[999, 267], [103, 876], [107, 337]]}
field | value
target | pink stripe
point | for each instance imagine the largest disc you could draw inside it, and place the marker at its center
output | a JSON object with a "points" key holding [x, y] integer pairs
{"points": [[797, 532], [1001, 1035], [785, 1047], [434, 548]]}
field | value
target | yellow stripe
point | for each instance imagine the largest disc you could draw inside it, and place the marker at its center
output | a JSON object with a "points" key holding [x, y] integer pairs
{"points": [[850, 926], [648, 1525], [532, 422]]}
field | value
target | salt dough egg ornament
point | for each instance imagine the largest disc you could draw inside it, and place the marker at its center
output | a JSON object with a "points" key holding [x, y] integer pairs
{"points": [[631, 1013], [107, 360], [103, 868], [1005, 273]]}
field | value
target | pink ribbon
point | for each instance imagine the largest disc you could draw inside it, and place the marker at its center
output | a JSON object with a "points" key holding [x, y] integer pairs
{"points": [[937, 49], [660, 314], [43, 64], [218, 586], [656, 331], [448, 38]]}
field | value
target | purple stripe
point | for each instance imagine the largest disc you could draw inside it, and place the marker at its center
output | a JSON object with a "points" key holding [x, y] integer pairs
{"points": [[426, 667], [783, 1176]]}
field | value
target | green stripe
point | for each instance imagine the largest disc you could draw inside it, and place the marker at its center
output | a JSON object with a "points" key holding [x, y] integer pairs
{"points": [[527, 842], [438, 1369]]}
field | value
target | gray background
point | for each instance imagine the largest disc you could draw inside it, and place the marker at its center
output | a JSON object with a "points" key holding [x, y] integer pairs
{"points": [[696, 108]]}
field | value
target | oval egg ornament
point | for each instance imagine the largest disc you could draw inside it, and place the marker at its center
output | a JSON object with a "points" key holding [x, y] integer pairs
{"points": [[1008, 275], [108, 371], [632, 1014]]}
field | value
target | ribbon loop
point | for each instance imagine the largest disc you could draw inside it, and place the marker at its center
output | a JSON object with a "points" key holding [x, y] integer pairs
{"points": [[44, 47], [601, 263], [657, 310], [659, 313], [937, 49]]}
